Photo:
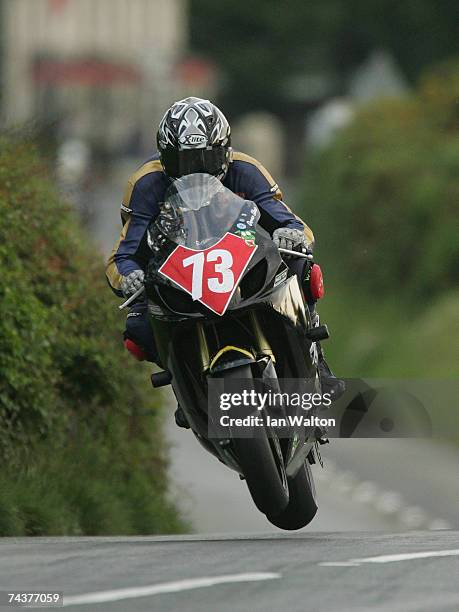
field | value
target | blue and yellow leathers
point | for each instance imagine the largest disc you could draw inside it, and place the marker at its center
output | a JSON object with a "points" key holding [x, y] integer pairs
{"points": [[146, 189]]}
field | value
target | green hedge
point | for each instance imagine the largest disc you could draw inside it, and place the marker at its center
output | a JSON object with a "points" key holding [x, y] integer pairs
{"points": [[382, 200], [383, 197], [80, 438]]}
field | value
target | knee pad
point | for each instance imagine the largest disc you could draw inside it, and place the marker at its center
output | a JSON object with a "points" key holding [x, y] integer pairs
{"points": [[136, 351], [138, 337]]}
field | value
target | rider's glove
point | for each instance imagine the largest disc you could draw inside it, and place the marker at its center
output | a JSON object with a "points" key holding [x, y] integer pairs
{"points": [[289, 238], [132, 282]]}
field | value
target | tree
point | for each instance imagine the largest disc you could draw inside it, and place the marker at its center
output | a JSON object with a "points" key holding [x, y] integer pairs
{"points": [[261, 44]]}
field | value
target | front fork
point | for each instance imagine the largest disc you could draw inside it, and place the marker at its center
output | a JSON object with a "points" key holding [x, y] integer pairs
{"points": [[259, 349]]}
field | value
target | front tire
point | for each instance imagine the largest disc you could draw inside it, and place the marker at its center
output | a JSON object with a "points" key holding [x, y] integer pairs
{"points": [[302, 505], [265, 477]]}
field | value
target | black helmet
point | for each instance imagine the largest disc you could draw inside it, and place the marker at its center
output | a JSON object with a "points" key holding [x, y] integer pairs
{"points": [[194, 136]]}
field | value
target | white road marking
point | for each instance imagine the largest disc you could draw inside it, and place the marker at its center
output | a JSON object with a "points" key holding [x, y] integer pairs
{"points": [[408, 556], [164, 587], [339, 564], [392, 558], [438, 524]]}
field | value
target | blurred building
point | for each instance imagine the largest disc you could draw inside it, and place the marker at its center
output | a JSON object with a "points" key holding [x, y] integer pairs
{"points": [[261, 135], [377, 78], [99, 70]]}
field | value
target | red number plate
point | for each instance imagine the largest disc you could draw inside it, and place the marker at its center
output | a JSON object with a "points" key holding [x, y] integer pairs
{"points": [[212, 275]]}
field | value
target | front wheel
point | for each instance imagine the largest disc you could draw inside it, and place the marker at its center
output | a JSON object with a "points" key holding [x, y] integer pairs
{"points": [[260, 461], [302, 505]]}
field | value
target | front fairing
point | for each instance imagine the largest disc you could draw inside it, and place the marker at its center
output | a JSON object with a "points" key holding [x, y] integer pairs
{"points": [[198, 212], [265, 278]]}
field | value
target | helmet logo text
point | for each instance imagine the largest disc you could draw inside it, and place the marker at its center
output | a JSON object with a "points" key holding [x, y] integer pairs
{"points": [[192, 140]]}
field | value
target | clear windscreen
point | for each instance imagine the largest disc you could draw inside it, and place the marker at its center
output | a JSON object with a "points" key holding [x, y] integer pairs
{"points": [[198, 210]]}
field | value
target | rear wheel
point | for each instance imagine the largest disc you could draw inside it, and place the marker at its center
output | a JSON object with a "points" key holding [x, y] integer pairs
{"points": [[260, 461], [302, 505]]}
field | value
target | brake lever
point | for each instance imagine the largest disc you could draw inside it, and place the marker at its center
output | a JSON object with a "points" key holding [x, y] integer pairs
{"points": [[296, 253], [133, 297]]}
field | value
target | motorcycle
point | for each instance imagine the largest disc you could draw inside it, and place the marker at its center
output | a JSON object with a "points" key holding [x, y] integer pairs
{"points": [[225, 307]]}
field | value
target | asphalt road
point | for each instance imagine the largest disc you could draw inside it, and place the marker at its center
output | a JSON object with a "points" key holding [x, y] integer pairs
{"points": [[310, 571]]}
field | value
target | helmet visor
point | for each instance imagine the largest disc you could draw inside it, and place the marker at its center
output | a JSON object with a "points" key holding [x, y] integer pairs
{"points": [[191, 161]]}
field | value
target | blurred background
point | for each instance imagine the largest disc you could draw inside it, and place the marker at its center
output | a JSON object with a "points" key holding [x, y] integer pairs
{"points": [[353, 106]]}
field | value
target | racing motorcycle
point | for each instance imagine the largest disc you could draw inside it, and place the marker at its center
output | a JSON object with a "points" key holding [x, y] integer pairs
{"points": [[225, 307]]}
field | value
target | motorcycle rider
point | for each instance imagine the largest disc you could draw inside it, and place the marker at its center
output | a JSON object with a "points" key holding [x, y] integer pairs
{"points": [[194, 136]]}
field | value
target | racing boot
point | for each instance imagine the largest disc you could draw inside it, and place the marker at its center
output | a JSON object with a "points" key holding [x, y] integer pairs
{"points": [[180, 418], [330, 383]]}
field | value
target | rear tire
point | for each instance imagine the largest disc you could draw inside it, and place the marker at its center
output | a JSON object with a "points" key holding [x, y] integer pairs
{"points": [[265, 477], [302, 505]]}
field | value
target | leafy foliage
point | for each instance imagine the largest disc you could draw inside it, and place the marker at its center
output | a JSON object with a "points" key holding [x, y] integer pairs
{"points": [[382, 200], [78, 456], [385, 194]]}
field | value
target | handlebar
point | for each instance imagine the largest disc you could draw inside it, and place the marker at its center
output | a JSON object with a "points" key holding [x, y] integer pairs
{"points": [[139, 291]]}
